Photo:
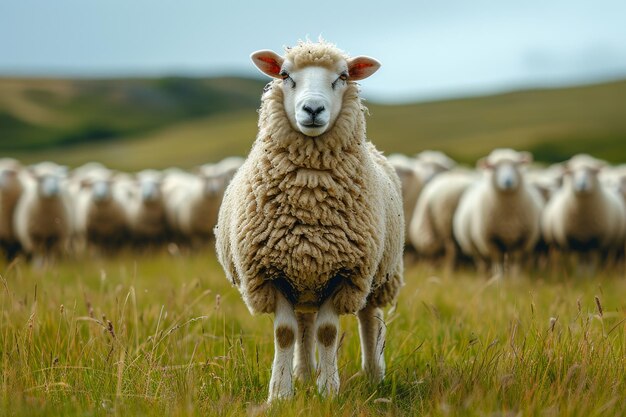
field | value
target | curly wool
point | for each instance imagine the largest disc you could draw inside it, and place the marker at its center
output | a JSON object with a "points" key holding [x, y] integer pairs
{"points": [[322, 54], [314, 217]]}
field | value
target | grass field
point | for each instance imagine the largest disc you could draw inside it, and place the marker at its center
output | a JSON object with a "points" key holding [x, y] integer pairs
{"points": [[158, 335]]}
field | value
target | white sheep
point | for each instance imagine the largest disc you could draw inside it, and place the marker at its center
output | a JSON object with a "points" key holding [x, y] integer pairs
{"points": [[10, 192], [225, 168], [100, 218], [499, 215], [430, 232], [615, 178], [414, 174], [42, 215], [411, 185], [145, 209], [585, 216], [313, 219], [192, 203], [429, 163], [546, 180]]}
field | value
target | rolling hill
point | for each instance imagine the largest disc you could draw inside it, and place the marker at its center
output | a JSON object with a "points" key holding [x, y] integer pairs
{"points": [[137, 123]]}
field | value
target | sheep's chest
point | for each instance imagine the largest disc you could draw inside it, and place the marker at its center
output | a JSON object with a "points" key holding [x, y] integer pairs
{"points": [[315, 232]]}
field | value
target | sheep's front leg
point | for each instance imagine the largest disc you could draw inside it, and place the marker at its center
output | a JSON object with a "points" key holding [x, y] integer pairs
{"points": [[285, 328], [372, 331], [326, 332], [305, 346]]}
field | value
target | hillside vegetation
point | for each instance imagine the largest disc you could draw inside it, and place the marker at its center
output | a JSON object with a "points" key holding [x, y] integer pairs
{"points": [[138, 123]]}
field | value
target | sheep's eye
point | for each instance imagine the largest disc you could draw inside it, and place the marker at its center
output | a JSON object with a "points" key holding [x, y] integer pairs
{"points": [[343, 77], [285, 76]]}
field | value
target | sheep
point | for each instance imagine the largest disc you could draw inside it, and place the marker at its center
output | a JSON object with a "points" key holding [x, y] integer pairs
{"points": [[584, 215], [192, 203], [546, 180], [10, 192], [100, 218], [414, 174], [145, 209], [429, 163], [430, 232], [499, 215], [410, 183], [311, 225], [42, 215], [615, 177], [227, 168]]}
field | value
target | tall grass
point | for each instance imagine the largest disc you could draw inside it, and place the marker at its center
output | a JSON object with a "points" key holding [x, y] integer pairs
{"points": [[157, 335]]}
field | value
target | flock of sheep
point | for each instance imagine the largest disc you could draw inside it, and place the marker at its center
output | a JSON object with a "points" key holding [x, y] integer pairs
{"points": [[505, 208], [47, 210], [508, 210]]}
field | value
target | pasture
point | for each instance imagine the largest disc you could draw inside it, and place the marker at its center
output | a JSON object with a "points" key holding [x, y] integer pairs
{"points": [[164, 334], [160, 334]]}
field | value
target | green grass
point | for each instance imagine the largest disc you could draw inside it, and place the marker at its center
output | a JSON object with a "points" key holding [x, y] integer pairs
{"points": [[156, 123], [158, 335]]}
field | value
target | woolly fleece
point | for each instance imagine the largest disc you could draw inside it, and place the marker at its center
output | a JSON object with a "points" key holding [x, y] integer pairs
{"points": [[314, 217]]}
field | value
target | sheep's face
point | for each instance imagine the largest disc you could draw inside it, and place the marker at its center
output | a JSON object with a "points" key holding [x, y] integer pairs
{"points": [[9, 179], [428, 170], [506, 173], [50, 179], [583, 179], [101, 191], [49, 186], [313, 94], [150, 191]]}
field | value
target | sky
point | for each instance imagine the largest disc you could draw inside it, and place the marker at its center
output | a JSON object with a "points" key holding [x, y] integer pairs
{"points": [[428, 49]]}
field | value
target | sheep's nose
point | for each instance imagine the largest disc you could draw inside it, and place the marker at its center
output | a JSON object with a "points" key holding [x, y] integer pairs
{"points": [[313, 111], [150, 192], [101, 191], [50, 187]]}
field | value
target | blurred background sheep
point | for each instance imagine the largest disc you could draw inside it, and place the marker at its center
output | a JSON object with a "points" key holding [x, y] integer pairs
{"points": [[505, 210], [498, 216], [42, 217]]}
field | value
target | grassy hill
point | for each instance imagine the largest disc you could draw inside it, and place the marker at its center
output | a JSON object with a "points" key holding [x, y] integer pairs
{"points": [[137, 123]]}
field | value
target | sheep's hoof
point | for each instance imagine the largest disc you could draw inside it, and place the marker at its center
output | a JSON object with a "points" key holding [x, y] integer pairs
{"points": [[302, 373], [328, 386], [280, 393], [375, 374]]}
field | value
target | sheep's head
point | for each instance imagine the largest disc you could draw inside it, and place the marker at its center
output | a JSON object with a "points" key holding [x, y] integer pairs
{"points": [[50, 179], [428, 164], [100, 189], [314, 79], [504, 168], [9, 178], [581, 173], [149, 183]]}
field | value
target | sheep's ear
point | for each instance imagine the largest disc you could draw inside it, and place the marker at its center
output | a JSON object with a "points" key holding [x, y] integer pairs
{"points": [[268, 62], [483, 163], [526, 158], [598, 168], [361, 67], [566, 169]]}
